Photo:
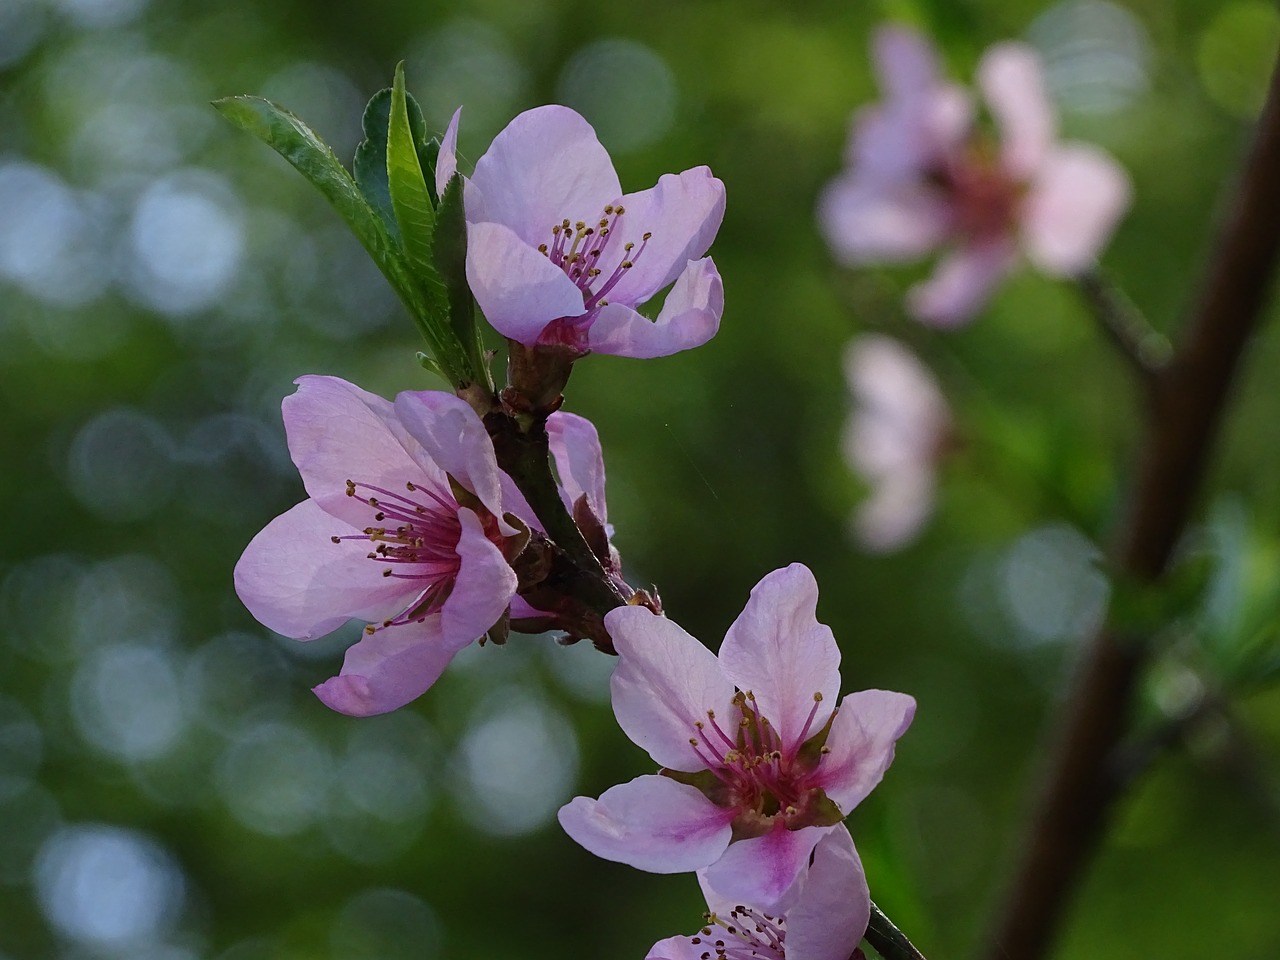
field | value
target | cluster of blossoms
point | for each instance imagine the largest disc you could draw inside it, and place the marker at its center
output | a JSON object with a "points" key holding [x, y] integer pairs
{"points": [[924, 175], [436, 520]]}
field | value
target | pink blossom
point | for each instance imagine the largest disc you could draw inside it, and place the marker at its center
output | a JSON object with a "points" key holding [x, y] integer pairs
{"points": [[923, 176], [557, 254], [825, 918], [759, 764], [402, 528], [896, 432]]}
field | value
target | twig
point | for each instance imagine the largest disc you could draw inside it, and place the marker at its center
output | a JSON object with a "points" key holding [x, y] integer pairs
{"points": [[1187, 402], [1144, 348], [890, 942]]}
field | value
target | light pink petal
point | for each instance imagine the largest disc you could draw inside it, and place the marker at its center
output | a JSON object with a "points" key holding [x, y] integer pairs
{"points": [[905, 61], [865, 220], [296, 581], [676, 948], [762, 870], [513, 501], [778, 651], [521, 609], [962, 283], [861, 741], [681, 213], [484, 587], [664, 684], [832, 909], [447, 159], [388, 669], [545, 167], [900, 411], [903, 141], [575, 445], [338, 432], [651, 823], [690, 317], [1012, 81], [455, 440], [895, 510], [1072, 208], [518, 289]]}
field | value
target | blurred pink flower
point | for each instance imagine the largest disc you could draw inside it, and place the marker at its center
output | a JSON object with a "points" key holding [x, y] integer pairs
{"points": [[402, 529], [557, 254], [896, 432], [825, 916], [923, 176], [760, 765]]}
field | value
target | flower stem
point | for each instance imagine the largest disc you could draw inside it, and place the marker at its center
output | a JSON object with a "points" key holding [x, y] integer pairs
{"points": [[1144, 348], [1188, 397], [890, 942]]}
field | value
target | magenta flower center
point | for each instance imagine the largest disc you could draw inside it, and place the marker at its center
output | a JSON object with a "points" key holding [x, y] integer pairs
{"points": [[414, 537], [745, 935], [577, 249], [756, 774]]}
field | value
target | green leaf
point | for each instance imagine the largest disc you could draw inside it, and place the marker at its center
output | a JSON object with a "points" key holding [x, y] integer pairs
{"points": [[450, 256], [410, 199], [310, 156], [370, 163]]}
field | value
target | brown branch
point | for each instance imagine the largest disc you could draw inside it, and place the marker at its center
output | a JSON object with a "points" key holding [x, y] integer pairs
{"points": [[1186, 408]]}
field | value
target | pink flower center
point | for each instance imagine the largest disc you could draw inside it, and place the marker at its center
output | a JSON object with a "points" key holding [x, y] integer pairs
{"points": [[757, 774], [747, 935], [984, 199], [416, 538], [578, 249]]}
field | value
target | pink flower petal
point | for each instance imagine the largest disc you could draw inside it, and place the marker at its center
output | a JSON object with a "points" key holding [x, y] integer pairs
{"points": [[830, 914], [575, 445], [961, 283], [778, 650], [455, 440], [690, 317], [296, 581], [388, 669], [900, 414], [484, 587], [447, 159], [652, 823], [338, 432], [681, 213], [906, 63], [861, 744], [895, 510], [544, 167], [865, 220], [762, 870], [676, 948], [518, 289], [1012, 81], [1072, 208], [664, 685]]}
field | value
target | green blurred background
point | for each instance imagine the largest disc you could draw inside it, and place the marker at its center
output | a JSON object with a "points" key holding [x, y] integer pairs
{"points": [[170, 790]]}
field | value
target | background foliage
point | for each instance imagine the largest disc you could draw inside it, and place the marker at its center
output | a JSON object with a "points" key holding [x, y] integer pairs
{"points": [[169, 788]]}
